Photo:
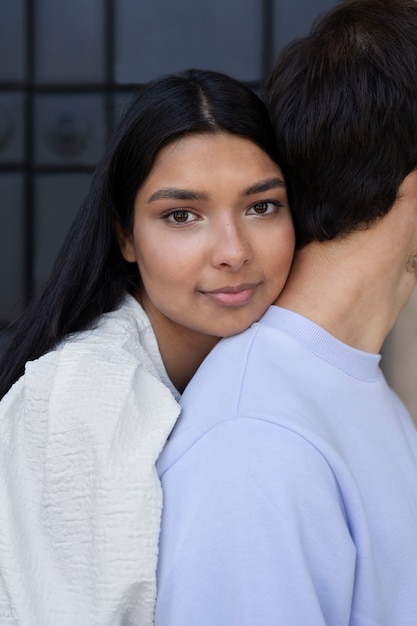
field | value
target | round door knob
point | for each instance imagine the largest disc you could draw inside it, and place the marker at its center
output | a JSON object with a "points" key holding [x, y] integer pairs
{"points": [[67, 131]]}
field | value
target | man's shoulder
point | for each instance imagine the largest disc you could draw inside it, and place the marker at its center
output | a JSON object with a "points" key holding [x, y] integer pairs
{"points": [[230, 360], [243, 368], [234, 382]]}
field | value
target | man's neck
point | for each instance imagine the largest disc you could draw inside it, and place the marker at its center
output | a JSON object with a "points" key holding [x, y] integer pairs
{"points": [[350, 287]]}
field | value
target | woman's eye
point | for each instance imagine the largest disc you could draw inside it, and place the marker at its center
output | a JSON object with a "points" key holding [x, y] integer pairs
{"points": [[263, 208], [180, 217]]}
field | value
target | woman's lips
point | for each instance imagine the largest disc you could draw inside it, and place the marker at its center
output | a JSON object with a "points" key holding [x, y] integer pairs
{"points": [[233, 296]]}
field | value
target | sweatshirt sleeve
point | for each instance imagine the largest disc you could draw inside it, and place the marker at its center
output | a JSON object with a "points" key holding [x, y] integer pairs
{"points": [[254, 532]]}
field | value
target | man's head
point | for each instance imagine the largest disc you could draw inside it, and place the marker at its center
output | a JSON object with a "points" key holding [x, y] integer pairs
{"points": [[343, 102]]}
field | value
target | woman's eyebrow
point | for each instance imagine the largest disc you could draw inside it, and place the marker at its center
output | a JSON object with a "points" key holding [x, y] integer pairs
{"points": [[265, 185], [177, 194], [174, 193]]}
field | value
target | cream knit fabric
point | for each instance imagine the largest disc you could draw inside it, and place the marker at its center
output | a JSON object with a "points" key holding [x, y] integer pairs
{"points": [[80, 499]]}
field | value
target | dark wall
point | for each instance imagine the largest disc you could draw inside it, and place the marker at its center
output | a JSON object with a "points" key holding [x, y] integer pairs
{"points": [[65, 69]]}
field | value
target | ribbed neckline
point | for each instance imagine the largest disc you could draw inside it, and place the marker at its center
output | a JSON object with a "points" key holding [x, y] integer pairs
{"points": [[356, 363]]}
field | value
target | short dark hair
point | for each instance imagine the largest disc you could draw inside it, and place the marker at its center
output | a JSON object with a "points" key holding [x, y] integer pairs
{"points": [[90, 275], [343, 103]]}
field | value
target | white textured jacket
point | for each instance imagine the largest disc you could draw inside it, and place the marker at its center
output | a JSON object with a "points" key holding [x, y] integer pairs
{"points": [[80, 499]]}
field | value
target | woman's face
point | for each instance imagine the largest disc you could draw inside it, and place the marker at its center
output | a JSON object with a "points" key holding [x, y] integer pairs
{"points": [[212, 235]]}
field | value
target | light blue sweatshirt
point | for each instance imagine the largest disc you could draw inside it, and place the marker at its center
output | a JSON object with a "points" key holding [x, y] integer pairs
{"points": [[290, 488]]}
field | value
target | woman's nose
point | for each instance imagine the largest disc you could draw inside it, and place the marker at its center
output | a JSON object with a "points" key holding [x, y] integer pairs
{"points": [[231, 247]]}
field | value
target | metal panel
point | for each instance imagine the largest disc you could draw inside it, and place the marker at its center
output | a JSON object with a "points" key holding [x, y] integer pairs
{"points": [[162, 36], [11, 128], [121, 102], [69, 38], [12, 41], [57, 200], [11, 245]]}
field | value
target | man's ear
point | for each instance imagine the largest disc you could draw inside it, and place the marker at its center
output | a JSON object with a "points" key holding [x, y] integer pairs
{"points": [[126, 244]]}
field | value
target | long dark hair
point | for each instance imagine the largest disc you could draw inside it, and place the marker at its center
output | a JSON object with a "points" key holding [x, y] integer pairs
{"points": [[90, 275]]}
